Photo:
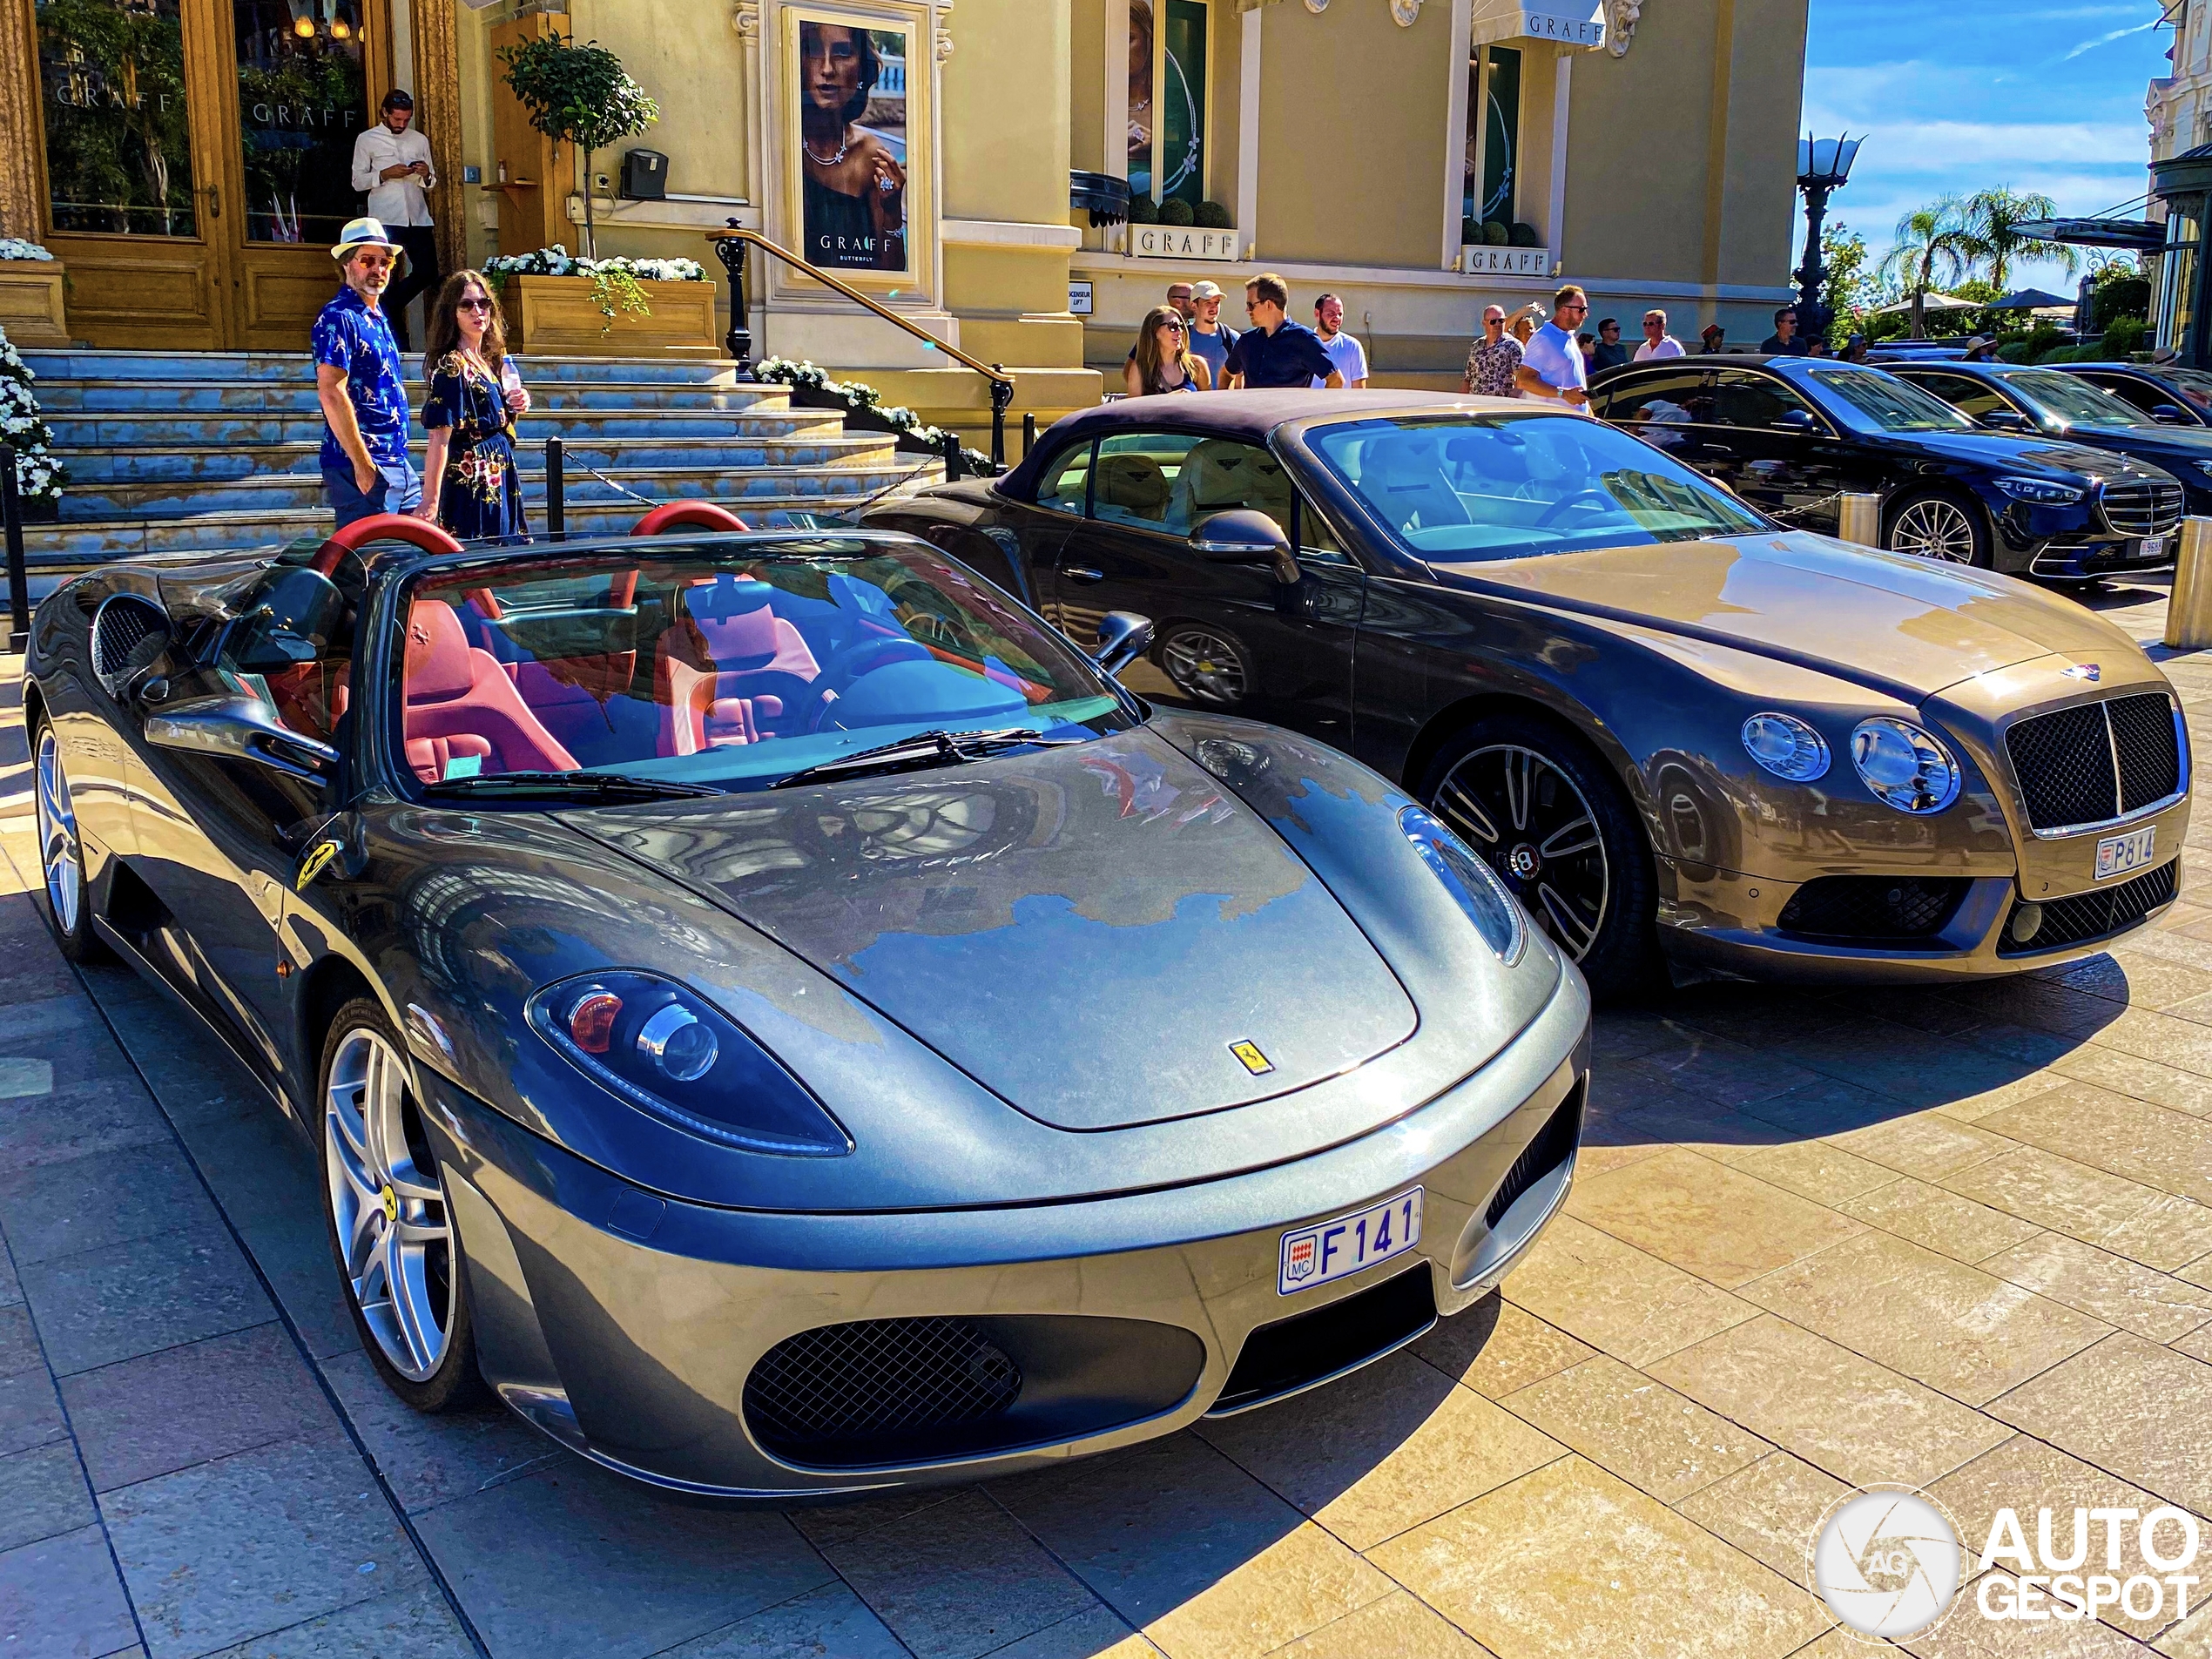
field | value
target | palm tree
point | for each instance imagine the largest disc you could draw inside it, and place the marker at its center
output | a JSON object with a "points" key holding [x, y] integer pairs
{"points": [[1933, 248], [1993, 219]]}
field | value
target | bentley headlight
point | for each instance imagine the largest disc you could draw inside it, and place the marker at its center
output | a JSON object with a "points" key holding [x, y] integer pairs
{"points": [[671, 1053], [1906, 766], [2046, 491], [1471, 882], [1786, 746]]}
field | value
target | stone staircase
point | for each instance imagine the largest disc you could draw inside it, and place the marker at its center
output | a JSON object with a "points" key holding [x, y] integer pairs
{"points": [[169, 451]]}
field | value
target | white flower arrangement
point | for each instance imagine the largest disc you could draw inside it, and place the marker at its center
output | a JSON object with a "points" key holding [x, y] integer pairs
{"points": [[558, 261], [39, 476], [858, 395], [14, 247]]}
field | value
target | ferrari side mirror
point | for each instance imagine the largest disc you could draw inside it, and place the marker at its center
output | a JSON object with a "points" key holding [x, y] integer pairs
{"points": [[1122, 637]]}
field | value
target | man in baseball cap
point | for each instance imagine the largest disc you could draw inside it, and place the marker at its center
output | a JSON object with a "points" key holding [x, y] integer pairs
{"points": [[365, 465], [1209, 340]]}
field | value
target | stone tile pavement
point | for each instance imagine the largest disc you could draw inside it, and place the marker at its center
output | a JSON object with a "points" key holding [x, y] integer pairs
{"points": [[1960, 1240]]}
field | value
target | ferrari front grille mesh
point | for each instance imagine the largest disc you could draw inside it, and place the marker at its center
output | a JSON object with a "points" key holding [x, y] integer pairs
{"points": [[877, 1377], [128, 633], [1550, 1146], [2142, 509], [1865, 908], [2096, 761], [2092, 915]]}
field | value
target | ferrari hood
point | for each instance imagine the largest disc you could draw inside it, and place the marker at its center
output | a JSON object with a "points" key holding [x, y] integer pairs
{"points": [[1102, 935], [1909, 625]]}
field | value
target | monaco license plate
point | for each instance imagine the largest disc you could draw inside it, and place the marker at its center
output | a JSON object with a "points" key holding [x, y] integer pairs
{"points": [[2118, 854], [2153, 547], [1331, 1249]]}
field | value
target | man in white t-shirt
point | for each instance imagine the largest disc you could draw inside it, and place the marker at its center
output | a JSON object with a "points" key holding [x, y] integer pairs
{"points": [[1657, 342], [1551, 364], [1343, 351]]}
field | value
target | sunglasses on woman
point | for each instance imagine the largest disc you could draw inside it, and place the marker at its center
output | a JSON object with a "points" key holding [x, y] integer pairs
{"points": [[474, 305]]}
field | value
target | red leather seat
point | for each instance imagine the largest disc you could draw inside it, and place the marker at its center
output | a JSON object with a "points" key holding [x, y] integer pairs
{"points": [[461, 704], [722, 671]]}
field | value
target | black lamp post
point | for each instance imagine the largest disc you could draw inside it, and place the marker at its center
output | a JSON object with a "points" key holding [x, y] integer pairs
{"points": [[1823, 164]]}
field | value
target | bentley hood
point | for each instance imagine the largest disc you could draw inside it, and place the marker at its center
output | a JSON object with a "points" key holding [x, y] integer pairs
{"points": [[1103, 935], [1906, 624]]}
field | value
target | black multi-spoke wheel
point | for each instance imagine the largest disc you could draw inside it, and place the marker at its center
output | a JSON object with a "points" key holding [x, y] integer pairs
{"points": [[1205, 665], [1936, 527], [390, 1225], [1543, 812]]}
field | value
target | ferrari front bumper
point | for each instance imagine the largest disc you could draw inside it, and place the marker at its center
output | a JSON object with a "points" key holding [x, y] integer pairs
{"points": [[629, 1326]]}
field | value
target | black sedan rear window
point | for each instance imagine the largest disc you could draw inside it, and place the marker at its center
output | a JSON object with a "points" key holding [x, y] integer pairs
{"points": [[1510, 486]]}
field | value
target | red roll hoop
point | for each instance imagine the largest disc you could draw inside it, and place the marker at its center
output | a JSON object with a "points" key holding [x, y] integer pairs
{"points": [[383, 527], [688, 515]]}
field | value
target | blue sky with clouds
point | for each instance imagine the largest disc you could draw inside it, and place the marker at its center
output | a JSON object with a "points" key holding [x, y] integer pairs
{"points": [[2038, 94]]}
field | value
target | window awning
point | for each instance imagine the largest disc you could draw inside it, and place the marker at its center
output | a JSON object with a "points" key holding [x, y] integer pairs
{"points": [[2140, 235], [1579, 24]]}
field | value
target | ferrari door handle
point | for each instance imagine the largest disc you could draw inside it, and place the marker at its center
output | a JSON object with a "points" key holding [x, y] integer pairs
{"points": [[1082, 573], [1718, 451]]}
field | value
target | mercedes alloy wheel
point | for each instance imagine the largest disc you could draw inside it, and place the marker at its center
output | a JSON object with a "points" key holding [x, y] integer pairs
{"points": [[390, 1225], [1935, 527]]}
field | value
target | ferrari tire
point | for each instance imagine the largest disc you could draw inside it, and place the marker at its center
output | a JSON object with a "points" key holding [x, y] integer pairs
{"points": [[1546, 813], [61, 851], [392, 1231], [1936, 524]]}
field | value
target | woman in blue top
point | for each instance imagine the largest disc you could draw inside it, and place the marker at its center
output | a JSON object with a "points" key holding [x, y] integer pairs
{"points": [[469, 483]]}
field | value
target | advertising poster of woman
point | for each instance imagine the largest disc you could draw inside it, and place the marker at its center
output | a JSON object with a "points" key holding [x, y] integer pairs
{"points": [[851, 104]]}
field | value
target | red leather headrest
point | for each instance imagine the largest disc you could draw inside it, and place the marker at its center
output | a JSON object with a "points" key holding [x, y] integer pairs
{"points": [[693, 515], [383, 527], [438, 665]]}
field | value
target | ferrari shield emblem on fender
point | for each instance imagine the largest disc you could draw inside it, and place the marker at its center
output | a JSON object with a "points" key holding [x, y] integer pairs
{"points": [[1256, 1062], [317, 860]]}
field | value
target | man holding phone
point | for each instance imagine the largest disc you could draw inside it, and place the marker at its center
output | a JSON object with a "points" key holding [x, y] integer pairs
{"points": [[392, 163]]}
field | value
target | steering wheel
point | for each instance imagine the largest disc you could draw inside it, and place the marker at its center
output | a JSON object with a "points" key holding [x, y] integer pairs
{"points": [[852, 663], [1592, 494]]}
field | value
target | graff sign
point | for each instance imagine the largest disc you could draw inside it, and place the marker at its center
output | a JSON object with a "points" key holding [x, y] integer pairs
{"points": [[1174, 242]]}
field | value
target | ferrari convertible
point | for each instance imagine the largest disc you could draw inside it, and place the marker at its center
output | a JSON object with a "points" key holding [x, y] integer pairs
{"points": [[783, 1018]]}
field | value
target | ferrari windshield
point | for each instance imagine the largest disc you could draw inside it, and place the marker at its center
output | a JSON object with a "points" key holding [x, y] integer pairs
{"points": [[1512, 486], [730, 667], [2070, 400]]}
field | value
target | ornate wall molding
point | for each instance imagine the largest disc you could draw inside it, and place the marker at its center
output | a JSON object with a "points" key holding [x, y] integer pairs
{"points": [[1621, 19], [745, 19], [942, 40], [23, 194], [1405, 13], [437, 93]]}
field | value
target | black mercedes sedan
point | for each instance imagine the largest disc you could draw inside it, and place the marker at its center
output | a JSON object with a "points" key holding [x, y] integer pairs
{"points": [[1792, 435], [2171, 396], [2054, 404]]}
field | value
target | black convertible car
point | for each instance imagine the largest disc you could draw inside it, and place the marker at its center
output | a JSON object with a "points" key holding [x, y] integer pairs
{"points": [[1790, 434]]}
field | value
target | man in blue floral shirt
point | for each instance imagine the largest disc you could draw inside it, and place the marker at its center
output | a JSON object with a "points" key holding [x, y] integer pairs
{"points": [[365, 466]]}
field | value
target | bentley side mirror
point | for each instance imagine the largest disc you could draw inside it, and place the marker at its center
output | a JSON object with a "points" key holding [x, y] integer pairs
{"points": [[1798, 421], [2169, 414], [241, 728], [1122, 637], [1246, 537], [2004, 420]]}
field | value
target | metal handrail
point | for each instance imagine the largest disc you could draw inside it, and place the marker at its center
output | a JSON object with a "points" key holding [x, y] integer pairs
{"points": [[729, 245]]}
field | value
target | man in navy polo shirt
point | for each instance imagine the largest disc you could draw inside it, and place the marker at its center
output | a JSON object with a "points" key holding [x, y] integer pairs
{"points": [[365, 466], [1275, 352]]}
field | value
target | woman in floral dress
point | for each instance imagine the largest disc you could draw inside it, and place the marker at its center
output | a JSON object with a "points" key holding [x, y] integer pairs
{"points": [[470, 483]]}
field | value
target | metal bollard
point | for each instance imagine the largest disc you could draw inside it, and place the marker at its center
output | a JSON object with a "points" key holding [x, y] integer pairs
{"points": [[1028, 432], [2188, 612], [1860, 520], [556, 491], [18, 578]]}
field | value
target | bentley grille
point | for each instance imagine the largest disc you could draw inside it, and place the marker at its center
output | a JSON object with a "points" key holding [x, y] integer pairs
{"points": [[873, 1379], [2096, 761], [2141, 508], [2093, 915]]}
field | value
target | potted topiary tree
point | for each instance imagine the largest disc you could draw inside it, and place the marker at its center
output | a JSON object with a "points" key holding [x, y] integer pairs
{"points": [[578, 95]]}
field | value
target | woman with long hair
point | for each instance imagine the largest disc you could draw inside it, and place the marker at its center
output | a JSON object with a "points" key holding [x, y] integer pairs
{"points": [[468, 479], [1163, 361], [855, 206]]}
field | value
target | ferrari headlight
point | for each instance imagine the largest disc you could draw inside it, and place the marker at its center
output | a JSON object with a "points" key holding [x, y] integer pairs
{"points": [[1786, 746], [671, 1053], [2043, 490], [1471, 882], [1906, 766]]}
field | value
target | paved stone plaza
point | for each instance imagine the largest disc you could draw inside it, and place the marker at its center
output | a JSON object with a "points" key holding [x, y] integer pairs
{"points": [[1959, 1240]]}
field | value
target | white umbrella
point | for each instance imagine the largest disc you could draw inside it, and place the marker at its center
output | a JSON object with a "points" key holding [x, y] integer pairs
{"points": [[1931, 302]]}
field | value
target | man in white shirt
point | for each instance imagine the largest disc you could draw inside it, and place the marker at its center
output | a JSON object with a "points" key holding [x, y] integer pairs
{"points": [[392, 163], [1551, 364], [1344, 352], [1657, 342]]}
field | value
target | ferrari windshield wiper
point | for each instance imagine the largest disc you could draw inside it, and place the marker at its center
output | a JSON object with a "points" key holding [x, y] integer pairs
{"points": [[923, 749], [558, 784]]}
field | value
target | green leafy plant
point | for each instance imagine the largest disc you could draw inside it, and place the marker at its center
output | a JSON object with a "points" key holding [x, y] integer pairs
{"points": [[1212, 216], [1143, 210], [1523, 234], [578, 95], [1175, 210], [1934, 245], [859, 398], [1496, 233]]}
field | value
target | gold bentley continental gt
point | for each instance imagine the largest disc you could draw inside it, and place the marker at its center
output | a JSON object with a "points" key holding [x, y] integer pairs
{"points": [[1685, 735]]}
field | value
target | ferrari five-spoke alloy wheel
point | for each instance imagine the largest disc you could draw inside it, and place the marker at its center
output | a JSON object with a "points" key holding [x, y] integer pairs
{"points": [[61, 854], [1205, 665], [1936, 527], [390, 1225], [1544, 813]]}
